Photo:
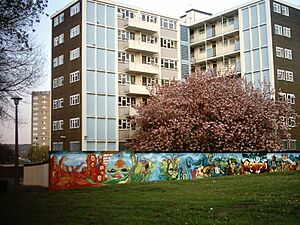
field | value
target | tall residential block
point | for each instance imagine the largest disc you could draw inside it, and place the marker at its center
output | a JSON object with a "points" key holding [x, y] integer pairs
{"points": [[40, 118], [105, 56], [260, 40]]}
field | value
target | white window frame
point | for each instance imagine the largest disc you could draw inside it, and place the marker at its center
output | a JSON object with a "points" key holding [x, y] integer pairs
{"points": [[287, 32], [276, 7], [58, 19], [55, 62], [291, 122], [55, 41], [280, 74], [74, 76], [75, 31], [289, 76], [75, 9], [169, 64], [75, 54], [74, 123], [124, 124], [288, 54], [291, 99], [58, 125], [285, 10], [281, 96], [149, 18], [278, 29], [168, 43], [124, 101], [279, 52], [75, 99], [60, 60], [123, 78], [125, 57]]}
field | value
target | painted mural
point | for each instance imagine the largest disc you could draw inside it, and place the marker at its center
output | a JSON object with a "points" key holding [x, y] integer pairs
{"points": [[72, 170]]}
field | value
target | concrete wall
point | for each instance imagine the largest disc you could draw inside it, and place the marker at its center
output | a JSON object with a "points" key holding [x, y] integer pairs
{"points": [[36, 174]]}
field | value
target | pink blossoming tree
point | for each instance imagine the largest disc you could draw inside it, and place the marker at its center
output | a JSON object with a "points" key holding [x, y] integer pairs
{"points": [[210, 113]]}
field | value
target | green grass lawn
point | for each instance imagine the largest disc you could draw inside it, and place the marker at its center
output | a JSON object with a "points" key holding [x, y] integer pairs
{"points": [[251, 199]]}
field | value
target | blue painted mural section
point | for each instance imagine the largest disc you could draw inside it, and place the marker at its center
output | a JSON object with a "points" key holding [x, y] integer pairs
{"points": [[69, 170]]}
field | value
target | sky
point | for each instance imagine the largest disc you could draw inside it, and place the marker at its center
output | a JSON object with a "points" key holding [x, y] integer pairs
{"points": [[174, 8]]}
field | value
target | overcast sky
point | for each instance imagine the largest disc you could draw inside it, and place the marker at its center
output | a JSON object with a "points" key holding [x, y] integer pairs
{"points": [[174, 8]]}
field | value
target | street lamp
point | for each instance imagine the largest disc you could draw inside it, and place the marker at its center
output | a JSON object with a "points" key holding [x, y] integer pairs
{"points": [[16, 99]]}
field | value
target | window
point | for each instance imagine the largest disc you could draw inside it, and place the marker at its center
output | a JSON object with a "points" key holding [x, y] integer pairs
{"points": [[75, 9], [278, 29], [149, 39], [75, 76], [288, 53], [280, 74], [279, 52], [168, 63], [168, 24], [149, 18], [74, 146], [55, 41], [57, 146], [285, 11], [291, 98], [75, 31], [55, 62], [286, 32], [74, 99], [58, 125], [57, 82], [149, 60], [74, 54], [58, 103], [125, 35], [167, 43], [291, 122], [124, 101], [202, 48], [125, 57], [74, 123], [147, 81], [125, 13], [276, 7], [165, 82], [289, 76], [58, 19], [124, 79], [282, 96], [61, 60], [61, 39], [124, 124]]}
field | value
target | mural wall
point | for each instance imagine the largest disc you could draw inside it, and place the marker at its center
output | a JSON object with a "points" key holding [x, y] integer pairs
{"points": [[72, 170]]}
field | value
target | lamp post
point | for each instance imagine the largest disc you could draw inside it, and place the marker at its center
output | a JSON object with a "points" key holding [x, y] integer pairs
{"points": [[16, 99]]}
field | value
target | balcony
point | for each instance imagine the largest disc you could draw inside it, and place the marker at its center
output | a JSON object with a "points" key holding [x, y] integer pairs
{"points": [[125, 134], [138, 24], [211, 52], [232, 48], [142, 68], [127, 111], [139, 46], [138, 90]]}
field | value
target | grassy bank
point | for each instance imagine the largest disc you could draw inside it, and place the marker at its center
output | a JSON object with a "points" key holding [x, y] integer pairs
{"points": [[254, 199]]}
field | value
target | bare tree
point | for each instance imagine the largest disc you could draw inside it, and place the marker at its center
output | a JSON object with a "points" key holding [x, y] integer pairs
{"points": [[210, 113], [22, 61]]}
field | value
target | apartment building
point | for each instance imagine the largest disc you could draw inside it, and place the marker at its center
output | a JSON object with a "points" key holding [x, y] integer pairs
{"points": [[105, 55], [40, 118], [260, 40]]}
